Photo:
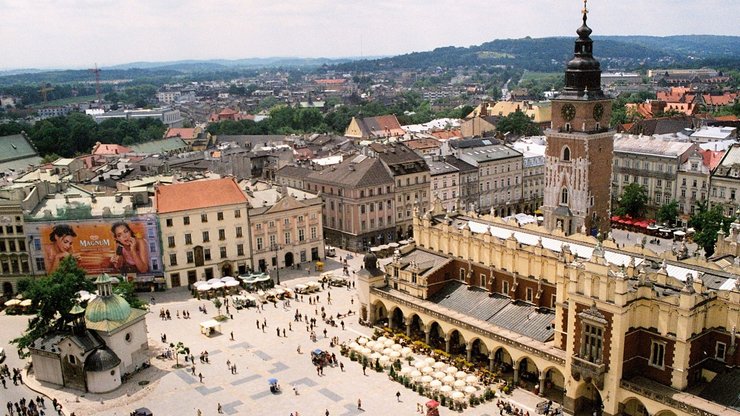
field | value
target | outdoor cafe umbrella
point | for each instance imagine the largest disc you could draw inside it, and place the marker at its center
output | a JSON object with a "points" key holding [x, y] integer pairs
{"points": [[396, 347], [204, 288], [458, 395], [461, 374], [406, 351], [387, 351], [362, 341], [26, 302], [451, 369], [435, 384], [439, 365], [420, 364], [459, 384], [471, 379], [445, 389], [370, 344], [382, 339], [12, 302], [470, 389], [395, 355], [448, 379], [388, 343], [426, 379], [414, 374], [406, 370], [232, 283], [429, 360], [214, 280], [440, 375], [217, 285], [427, 370]]}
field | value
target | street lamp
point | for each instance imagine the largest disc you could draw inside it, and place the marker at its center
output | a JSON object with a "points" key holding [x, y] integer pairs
{"points": [[276, 248]]}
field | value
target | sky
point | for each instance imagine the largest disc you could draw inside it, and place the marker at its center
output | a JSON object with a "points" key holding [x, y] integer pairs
{"points": [[81, 33]]}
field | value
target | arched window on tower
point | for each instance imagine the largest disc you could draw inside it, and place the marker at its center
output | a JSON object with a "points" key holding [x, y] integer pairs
{"points": [[567, 127], [564, 196], [565, 156]]}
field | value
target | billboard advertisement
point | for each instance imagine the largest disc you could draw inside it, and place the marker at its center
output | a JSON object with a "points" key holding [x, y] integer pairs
{"points": [[116, 246]]}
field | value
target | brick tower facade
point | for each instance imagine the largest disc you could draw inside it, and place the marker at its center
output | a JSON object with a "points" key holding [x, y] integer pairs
{"points": [[580, 147]]}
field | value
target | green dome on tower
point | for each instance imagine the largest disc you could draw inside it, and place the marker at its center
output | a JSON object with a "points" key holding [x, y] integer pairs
{"points": [[107, 306]]}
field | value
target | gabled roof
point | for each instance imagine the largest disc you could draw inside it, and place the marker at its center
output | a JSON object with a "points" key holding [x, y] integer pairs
{"points": [[159, 146], [197, 195], [185, 133], [380, 126], [109, 149], [14, 147], [358, 171]]}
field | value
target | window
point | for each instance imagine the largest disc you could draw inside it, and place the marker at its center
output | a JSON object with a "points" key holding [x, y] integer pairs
{"points": [[313, 233], [237, 213], [720, 351], [186, 220], [260, 244], [239, 233], [553, 300], [463, 273], [207, 254], [271, 224], [206, 237], [483, 281], [593, 339], [286, 221], [362, 209], [168, 221], [300, 218], [220, 216], [564, 196], [363, 225], [273, 240], [301, 235], [203, 217], [173, 259], [530, 294], [72, 359], [171, 241], [222, 252], [258, 226], [657, 354], [240, 249], [221, 234], [287, 238], [505, 288], [188, 239], [189, 256]]}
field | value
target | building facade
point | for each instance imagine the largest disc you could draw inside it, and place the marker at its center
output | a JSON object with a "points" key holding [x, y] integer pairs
{"points": [[204, 230], [445, 182], [725, 182], [286, 226], [500, 170], [15, 259]]}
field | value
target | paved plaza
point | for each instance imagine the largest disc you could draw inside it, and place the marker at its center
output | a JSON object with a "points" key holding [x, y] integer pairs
{"points": [[258, 357]]}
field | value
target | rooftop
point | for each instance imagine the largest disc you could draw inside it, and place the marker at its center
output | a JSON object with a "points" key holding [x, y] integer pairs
{"points": [[198, 194], [649, 145]]}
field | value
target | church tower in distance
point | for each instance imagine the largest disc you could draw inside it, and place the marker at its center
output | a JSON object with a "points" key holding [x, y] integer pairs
{"points": [[580, 147]]}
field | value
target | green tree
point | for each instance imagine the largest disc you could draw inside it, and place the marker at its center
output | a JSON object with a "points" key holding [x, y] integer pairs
{"points": [[518, 123], [217, 304], [52, 297], [126, 290], [633, 201], [179, 348], [707, 222], [668, 213]]}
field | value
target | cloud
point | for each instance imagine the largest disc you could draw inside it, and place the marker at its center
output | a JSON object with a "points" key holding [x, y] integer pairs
{"points": [[79, 33]]}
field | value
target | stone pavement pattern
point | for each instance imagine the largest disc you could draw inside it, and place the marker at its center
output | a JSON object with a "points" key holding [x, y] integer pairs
{"points": [[258, 356]]}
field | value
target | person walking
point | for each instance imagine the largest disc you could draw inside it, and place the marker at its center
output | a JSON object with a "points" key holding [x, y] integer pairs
{"points": [[220, 409], [200, 376], [359, 404], [398, 396]]}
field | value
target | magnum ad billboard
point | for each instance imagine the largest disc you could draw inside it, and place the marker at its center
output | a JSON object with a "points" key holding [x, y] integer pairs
{"points": [[115, 246]]}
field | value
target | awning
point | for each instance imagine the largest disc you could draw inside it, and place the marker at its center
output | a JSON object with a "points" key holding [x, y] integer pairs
{"points": [[211, 323]]}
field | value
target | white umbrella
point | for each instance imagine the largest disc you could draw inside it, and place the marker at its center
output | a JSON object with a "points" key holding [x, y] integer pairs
{"points": [[461, 374], [406, 351], [426, 379], [388, 343], [375, 355], [415, 374], [354, 345], [439, 365], [214, 280], [448, 379], [378, 346], [232, 283], [395, 355], [227, 279], [13, 302], [366, 351], [445, 389], [370, 344], [26, 302], [427, 370], [457, 395], [440, 375], [217, 285], [204, 288], [459, 384], [362, 341], [471, 379], [396, 347], [382, 339], [199, 283], [384, 360], [420, 364], [429, 360], [435, 384], [406, 369], [451, 369], [387, 351], [470, 389]]}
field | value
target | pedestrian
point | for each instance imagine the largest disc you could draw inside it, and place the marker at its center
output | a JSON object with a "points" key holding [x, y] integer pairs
{"points": [[278, 331], [220, 408], [327, 412], [284, 333], [199, 413], [258, 324], [359, 404], [398, 396], [232, 335], [364, 367], [200, 376], [295, 390], [290, 327]]}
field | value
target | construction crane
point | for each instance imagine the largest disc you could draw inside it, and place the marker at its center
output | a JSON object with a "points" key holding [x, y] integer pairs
{"points": [[45, 90], [96, 71]]}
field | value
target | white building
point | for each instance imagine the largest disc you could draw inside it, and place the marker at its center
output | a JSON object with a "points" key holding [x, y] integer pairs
{"points": [[709, 134]]}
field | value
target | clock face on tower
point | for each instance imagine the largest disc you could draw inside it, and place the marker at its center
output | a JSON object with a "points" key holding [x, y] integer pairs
{"points": [[568, 111], [598, 111]]}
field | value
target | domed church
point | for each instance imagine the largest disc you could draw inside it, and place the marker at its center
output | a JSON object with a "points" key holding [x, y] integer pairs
{"points": [[107, 340]]}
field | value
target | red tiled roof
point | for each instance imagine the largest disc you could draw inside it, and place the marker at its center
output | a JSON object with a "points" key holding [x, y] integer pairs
{"points": [[446, 134], [712, 158], [418, 144], [724, 99], [110, 149], [198, 194], [728, 117], [185, 133], [331, 81], [227, 111]]}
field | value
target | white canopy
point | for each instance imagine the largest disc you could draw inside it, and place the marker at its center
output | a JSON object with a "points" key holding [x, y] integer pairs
{"points": [[427, 370], [426, 379], [461, 374], [470, 389], [232, 283], [435, 384], [217, 285], [204, 288], [211, 323], [458, 395], [445, 389], [227, 278], [471, 379], [440, 375]]}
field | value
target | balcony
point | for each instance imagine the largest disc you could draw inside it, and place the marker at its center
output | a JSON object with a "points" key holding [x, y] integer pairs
{"points": [[588, 370]]}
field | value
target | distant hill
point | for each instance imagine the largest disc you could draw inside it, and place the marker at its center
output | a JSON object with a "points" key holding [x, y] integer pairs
{"points": [[216, 64], [549, 54]]}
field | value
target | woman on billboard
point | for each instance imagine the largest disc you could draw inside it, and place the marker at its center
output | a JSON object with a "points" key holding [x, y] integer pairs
{"points": [[132, 252], [61, 237]]}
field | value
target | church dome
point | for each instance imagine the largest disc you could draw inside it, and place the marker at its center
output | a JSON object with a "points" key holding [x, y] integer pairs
{"points": [[102, 359], [371, 261], [107, 308]]}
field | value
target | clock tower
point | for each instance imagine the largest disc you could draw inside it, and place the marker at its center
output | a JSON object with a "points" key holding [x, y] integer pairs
{"points": [[580, 147]]}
